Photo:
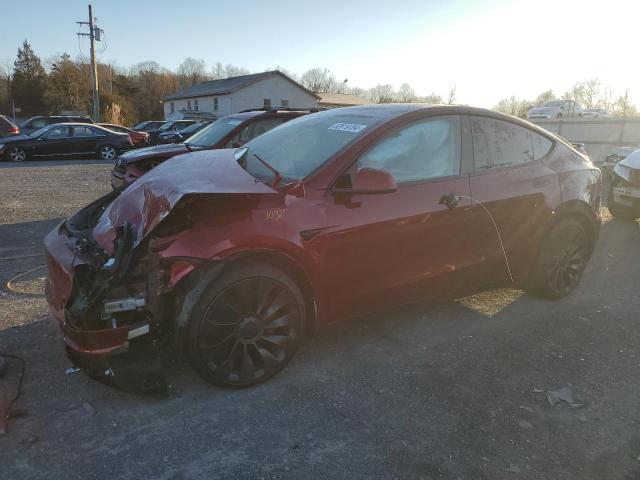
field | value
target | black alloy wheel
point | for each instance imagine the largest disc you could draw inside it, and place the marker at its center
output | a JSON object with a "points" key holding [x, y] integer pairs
{"points": [[249, 328]]}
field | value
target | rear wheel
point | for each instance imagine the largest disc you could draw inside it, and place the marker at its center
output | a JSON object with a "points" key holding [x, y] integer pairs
{"points": [[16, 154], [246, 326], [108, 152], [562, 258]]}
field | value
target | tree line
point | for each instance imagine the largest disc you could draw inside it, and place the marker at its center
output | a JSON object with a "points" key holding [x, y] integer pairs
{"points": [[590, 94], [131, 94]]}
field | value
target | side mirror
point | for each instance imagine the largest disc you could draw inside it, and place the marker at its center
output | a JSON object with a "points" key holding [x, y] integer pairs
{"points": [[371, 180]]}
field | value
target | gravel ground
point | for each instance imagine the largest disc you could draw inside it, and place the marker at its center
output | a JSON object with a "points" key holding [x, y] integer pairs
{"points": [[455, 391]]}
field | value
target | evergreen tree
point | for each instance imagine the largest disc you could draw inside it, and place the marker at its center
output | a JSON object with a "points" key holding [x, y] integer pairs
{"points": [[28, 81]]}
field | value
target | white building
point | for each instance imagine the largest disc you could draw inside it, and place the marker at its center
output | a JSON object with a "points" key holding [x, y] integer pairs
{"points": [[218, 98]]}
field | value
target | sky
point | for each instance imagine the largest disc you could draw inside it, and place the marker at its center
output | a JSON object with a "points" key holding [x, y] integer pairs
{"points": [[488, 49]]}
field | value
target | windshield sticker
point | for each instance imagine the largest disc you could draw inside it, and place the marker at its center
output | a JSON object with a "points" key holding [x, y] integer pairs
{"points": [[348, 127], [234, 122]]}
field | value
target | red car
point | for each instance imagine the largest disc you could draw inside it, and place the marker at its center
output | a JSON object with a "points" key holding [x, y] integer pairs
{"points": [[139, 139], [234, 254], [231, 131]]}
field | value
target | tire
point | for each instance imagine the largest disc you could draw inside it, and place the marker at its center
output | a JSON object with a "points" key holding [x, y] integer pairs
{"points": [[246, 326], [16, 154], [108, 152], [561, 261]]}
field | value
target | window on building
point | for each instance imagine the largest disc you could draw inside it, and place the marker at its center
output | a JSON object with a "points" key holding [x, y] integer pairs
{"points": [[267, 103], [215, 104], [173, 107], [188, 104], [284, 103], [500, 144], [421, 151], [195, 105]]}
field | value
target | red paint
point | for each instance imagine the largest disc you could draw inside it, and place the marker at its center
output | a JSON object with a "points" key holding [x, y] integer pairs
{"points": [[359, 252]]}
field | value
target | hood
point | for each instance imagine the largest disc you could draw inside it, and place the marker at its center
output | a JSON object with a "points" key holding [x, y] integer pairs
{"points": [[156, 151], [147, 201], [15, 138]]}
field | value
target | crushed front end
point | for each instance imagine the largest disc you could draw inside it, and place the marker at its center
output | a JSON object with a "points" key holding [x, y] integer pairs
{"points": [[107, 305]]}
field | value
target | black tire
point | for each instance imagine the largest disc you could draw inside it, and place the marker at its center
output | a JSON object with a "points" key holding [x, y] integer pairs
{"points": [[620, 211], [561, 261], [16, 154], [107, 152], [246, 326]]}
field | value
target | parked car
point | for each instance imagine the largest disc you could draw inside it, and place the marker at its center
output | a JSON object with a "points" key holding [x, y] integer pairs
{"points": [[624, 194], [556, 109], [168, 126], [64, 139], [149, 125], [139, 139], [231, 131], [179, 136], [7, 127], [596, 113], [234, 254], [36, 123]]}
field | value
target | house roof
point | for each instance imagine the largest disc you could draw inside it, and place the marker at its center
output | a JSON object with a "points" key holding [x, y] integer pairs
{"points": [[342, 99], [228, 85]]}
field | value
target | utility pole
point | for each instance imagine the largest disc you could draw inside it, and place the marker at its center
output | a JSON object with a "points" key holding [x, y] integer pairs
{"points": [[93, 30]]}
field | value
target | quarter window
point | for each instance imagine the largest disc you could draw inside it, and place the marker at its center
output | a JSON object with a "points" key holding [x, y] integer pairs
{"points": [[421, 151], [500, 144]]}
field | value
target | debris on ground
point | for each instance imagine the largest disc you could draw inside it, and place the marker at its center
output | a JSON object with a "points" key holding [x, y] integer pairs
{"points": [[562, 395]]}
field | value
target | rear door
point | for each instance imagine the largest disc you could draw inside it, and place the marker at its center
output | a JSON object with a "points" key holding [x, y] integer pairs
{"points": [[85, 140], [513, 182], [392, 248]]}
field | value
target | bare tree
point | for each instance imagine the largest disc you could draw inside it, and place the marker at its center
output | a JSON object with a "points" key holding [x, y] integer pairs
{"points": [[191, 71], [513, 106], [318, 80], [433, 99], [623, 106], [406, 94], [382, 93], [231, 70], [452, 95], [545, 97]]}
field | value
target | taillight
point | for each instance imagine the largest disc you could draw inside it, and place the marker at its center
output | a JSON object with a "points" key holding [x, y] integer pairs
{"points": [[15, 130]]}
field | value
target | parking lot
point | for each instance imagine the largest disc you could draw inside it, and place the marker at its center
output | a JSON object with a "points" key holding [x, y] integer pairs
{"points": [[448, 391]]}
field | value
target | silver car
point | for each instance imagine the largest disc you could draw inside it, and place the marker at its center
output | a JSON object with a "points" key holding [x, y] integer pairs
{"points": [[556, 109]]}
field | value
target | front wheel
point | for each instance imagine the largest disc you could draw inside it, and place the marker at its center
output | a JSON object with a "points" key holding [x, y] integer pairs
{"points": [[246, 326], [561, 261], [108, 152], [16, 154]]}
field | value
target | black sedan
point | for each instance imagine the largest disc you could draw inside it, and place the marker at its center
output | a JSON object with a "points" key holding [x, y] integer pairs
{"points": [[65, 139]]}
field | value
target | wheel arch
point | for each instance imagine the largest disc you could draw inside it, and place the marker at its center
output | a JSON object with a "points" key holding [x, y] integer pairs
{"points": [[583, 213]]}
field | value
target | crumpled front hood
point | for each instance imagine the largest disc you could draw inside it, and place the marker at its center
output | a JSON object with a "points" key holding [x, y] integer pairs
{"points": [[147, 201], [155, 151]]}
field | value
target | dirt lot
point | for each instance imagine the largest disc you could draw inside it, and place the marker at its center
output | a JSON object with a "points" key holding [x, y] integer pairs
{"points": [[455, 391]]}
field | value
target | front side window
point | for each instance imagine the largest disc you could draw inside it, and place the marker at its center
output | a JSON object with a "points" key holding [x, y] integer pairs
{"points": [[256, 129], [499, 144], [58, 132], [214, 132], [39, 123], [85, 132], [421, 151]]}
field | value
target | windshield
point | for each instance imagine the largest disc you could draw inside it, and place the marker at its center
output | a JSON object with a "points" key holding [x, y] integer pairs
{"points": [[213, 133], [167, 126], [297, 148], [141, 125], [192, 128], [554, 103]]}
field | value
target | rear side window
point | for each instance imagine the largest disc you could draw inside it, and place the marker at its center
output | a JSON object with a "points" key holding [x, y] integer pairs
{"points": [[500, 144], [421, 151]]}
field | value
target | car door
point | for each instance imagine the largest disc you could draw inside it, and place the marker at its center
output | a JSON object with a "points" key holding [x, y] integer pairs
{"points": [[518, 190], [54, 142], [391, 248], [85, 140]]}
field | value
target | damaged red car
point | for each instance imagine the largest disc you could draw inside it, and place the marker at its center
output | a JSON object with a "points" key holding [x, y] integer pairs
{"points": [[232, 255]]}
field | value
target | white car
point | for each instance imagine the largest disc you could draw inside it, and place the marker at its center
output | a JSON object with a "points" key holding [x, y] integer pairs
{"points": [[596, 113], [556, 109]]}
